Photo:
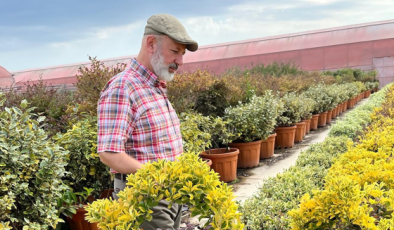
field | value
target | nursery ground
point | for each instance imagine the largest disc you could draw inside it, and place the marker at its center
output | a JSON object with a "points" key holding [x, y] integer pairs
{"points": [[249, 180]]}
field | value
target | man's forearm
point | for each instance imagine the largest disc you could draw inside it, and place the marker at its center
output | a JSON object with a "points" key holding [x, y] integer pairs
{"points": [[120, 162]]}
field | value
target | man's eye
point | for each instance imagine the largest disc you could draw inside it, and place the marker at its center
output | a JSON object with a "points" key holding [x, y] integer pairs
{"points": [[175, 51]]}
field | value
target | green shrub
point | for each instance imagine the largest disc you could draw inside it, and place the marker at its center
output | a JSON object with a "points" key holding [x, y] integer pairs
{"points": [[214, 100], [277, 195], [256, 119], [294, 110], [372, 85], [323, 99], [48, 101], [31, 170], [84, 166], [91, 81], [188, 180], [200, 133], [195, 134], [356, 120]]}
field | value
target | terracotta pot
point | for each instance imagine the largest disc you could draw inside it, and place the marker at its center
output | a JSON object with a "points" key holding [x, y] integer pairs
{"points": [[308, 125], [347, 105], [329, 116], [249, 154], [339, 109], [268, 147], [224, 163], [367, 94], [285, 137], [107, 193], [208, 161], [299, 133], [314, 121], [334, 113], [322, 119], [304, 129], [78, 222]]}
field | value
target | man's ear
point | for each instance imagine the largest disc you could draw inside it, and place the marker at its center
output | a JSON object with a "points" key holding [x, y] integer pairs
{"points": [[151, 44]]}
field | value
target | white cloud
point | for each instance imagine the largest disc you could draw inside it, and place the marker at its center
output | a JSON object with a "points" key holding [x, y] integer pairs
{"points": [[253, 19], [106, 42]]}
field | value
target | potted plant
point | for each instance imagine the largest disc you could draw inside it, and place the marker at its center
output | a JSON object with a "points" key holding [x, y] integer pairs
{"points": [[84, 166], [332, 92], [253, 121], [323, 101], [201, 133], [270, 106], [187, 180], [306, 113], [287, 119], [73, 205]]}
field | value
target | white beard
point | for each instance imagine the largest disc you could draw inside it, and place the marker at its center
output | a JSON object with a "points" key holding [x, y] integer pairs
{"points": [[160, 68]]}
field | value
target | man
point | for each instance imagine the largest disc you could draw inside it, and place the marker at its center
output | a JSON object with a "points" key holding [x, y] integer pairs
{"points": [[136, 122]]}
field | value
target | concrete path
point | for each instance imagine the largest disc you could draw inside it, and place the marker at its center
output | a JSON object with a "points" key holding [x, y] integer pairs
{"points": [[249, 180]]}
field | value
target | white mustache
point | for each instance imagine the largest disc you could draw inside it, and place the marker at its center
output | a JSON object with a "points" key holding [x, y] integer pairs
{"points": [[174, 66]]}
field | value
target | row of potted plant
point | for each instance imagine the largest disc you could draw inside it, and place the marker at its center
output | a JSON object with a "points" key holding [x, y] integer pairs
{"points": [[268, 209], [358, 190], [250, 131]]}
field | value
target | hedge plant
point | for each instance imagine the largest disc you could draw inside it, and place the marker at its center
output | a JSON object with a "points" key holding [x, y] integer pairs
{"points": [[277, 195], [31, 170], [355, 121], [294, 110], [84, 166], [254, 120], [188, 180], [269, 208], [321, 96], [359, 189]]}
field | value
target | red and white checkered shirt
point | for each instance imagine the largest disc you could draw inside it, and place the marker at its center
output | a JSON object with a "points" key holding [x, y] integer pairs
{"points": [[136, 117]]}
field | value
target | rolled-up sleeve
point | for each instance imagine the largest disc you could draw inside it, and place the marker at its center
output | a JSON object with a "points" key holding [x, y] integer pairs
{"points": [[116, 119]]}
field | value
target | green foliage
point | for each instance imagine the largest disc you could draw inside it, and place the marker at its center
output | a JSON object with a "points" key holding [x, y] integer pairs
{"points": [[256, 119], [188, 180], [48, 101], [360, 86], [214, 100], [294, 109], [91, 81], [195, 132], [31, 170], [70, 201], [277, 195], [322, 97], [201, 132], [84, 164], [356, 120], [273, 69], [372, 85]]}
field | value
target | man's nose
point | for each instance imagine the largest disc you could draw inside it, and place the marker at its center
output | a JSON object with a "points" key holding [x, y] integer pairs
{"points": [[179, 60]]}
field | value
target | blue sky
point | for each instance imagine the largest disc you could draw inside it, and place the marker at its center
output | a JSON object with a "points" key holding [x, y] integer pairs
{"points": [[41, 33]]}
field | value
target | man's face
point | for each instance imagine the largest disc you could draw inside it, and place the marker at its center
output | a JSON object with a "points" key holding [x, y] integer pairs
{"points": [[167, 58]]}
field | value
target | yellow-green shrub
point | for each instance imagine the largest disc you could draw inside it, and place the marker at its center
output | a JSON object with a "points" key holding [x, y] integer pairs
{"points": [[188, 180], [359, 189]]}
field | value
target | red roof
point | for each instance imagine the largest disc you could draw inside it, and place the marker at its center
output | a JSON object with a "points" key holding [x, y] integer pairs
{"points": [[6, 78], [246, 50]]}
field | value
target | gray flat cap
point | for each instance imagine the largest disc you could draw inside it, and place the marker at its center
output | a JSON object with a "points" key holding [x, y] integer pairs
{"points": [[165, 24]]}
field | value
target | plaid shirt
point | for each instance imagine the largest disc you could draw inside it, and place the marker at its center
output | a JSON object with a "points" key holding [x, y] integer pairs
{"points": [[135, 116]]}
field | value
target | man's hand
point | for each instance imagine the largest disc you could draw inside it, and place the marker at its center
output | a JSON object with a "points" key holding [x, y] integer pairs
{"points": [[120, 162]]}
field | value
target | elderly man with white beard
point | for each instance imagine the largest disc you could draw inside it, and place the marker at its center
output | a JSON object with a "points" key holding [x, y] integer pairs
{"points": [[136, 122]]}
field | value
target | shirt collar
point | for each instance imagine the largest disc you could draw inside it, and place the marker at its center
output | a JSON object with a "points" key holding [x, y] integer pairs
{"points": [[148, 76]]}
